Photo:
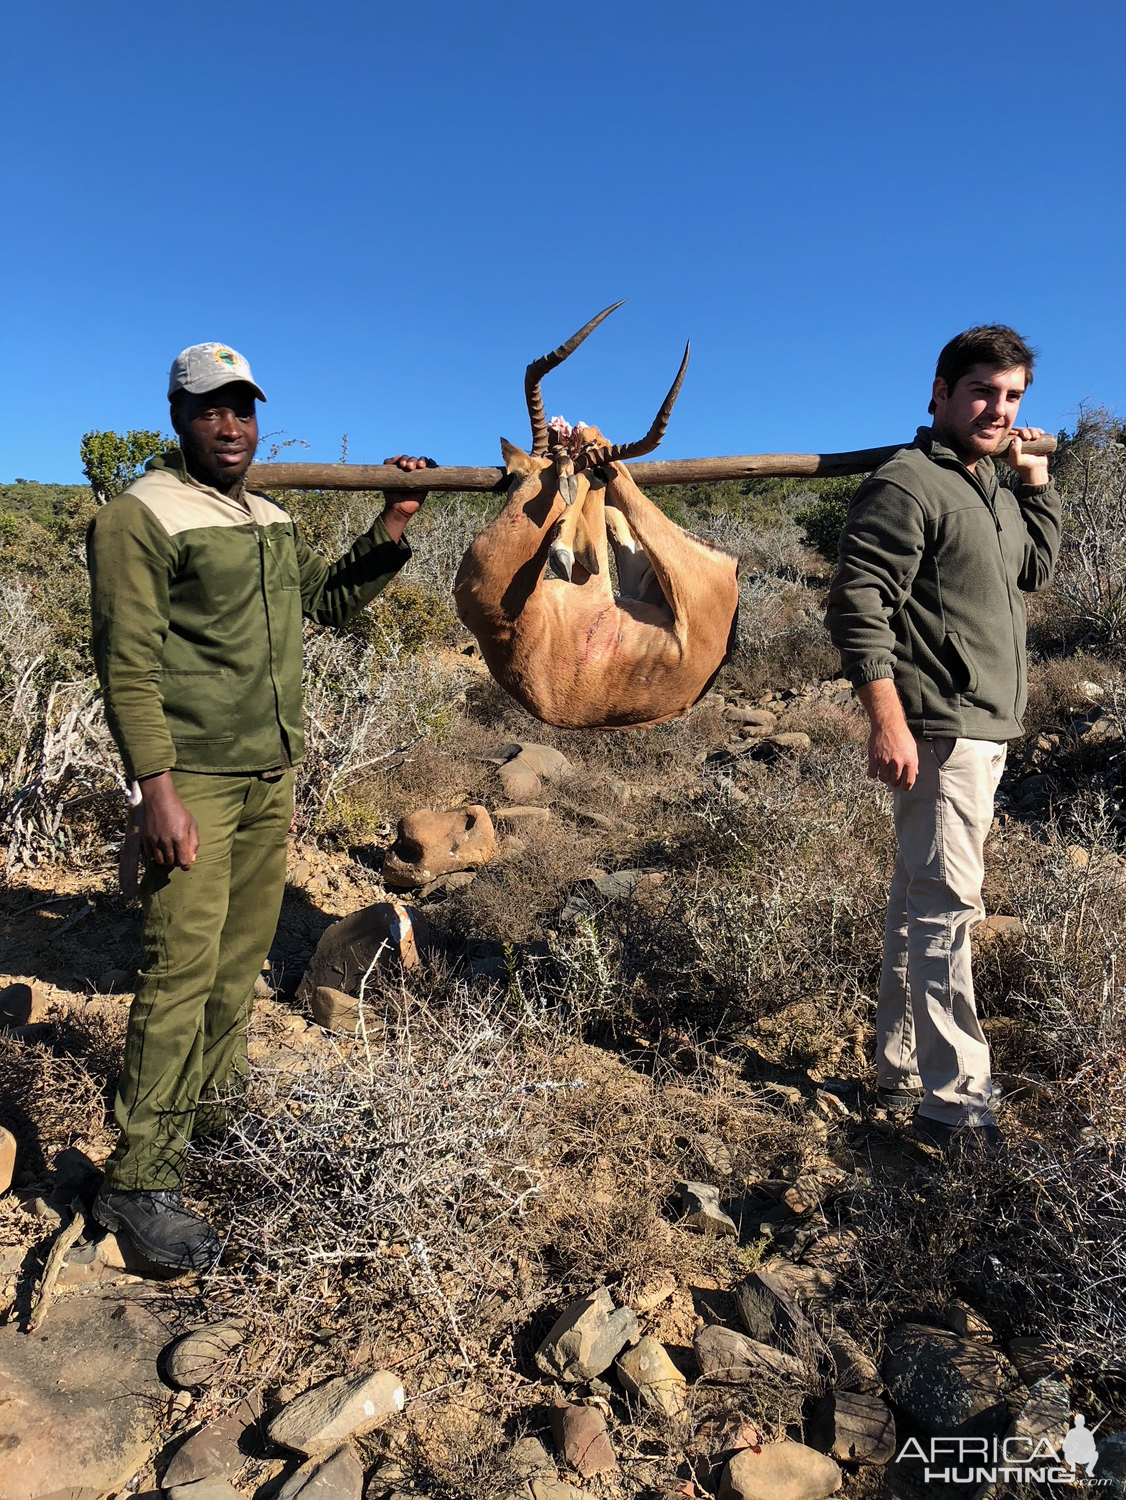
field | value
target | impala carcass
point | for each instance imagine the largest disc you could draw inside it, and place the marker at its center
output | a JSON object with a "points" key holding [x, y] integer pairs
{"points": [[536, 589]]}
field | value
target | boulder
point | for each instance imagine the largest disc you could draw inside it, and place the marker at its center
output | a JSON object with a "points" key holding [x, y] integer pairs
{"points": [[211, 1452], [951, 1386], [647, 1372], [22, 1004], [806, 1284], [201, 1356], [431, 843], [854, 1370], [725, 1355], [853, 1428], [204, 1489], [328, 1414], [7, 1158], [82, 1404], [585, 1338], [780, 1471], [1045, 1414], [520, 782], [336, 1011], [702, 1211], [1034, 1358], [530, 1457], [770, 1314], [581, 1437], [544, 760], [380, 933], [961, 1318], [760, 719], [339, 1476]]}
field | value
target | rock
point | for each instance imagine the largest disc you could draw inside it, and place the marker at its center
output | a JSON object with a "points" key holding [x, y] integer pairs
{"points": [[853, 1428], [336, 1011], [545, 1488], [211, 1452], [700, 1202], [792, 740], [806, 1284], [735, 1434], [725, 1355], [770, 1315], [949, 1385], [966, 1323], [717, 1154], [431, 843], [581, 1437], [520, 782], [780, 1471], [39, 1208], [22, 1004], [831, 1105], [204, 1489], [853, 1368], [337, 1477], [1112, 1459], [522, 815], [998, 930], [751, 718], [109, 1253], [201, 1356], [262, 988], [659, 1288], [530, 1457], [617, 885], [585, 1338], [786, 1092], [82, 1401], [1045, 1414], [544, 760], [330, 1413], [377, 934], [7, 1158], [1034, 1358], [647, 1372], [115, 980]]}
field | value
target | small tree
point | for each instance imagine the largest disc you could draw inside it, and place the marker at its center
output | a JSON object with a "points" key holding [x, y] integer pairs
{"points": [[110, 460]]}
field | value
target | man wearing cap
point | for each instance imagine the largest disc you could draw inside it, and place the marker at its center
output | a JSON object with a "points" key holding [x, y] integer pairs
{"points": [[199, 588]]}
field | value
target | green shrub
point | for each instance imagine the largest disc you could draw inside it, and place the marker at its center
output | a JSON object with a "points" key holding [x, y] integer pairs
{"points": [[822, 519]]}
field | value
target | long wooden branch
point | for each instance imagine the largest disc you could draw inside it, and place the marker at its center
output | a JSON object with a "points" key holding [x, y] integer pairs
{"points": [[666, 471]]}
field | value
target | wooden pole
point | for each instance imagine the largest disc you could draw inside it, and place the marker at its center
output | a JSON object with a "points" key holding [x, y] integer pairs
{"points": [[646, 475]]}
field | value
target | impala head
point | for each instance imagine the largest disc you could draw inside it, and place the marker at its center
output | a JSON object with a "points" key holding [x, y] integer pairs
{"points": [[572, 451]]}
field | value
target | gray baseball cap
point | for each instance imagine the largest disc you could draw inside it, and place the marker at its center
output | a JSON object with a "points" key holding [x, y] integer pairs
{"points": [[205, 367]]}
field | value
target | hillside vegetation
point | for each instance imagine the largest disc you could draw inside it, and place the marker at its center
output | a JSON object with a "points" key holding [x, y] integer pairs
{"points": [[510, 1129]]}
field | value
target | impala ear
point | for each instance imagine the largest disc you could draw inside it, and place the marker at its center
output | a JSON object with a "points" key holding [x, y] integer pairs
{"points": [[516, 461]]}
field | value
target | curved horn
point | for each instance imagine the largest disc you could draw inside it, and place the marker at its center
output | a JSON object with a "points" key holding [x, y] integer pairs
{"points": [[540, 367], [653, 437]]}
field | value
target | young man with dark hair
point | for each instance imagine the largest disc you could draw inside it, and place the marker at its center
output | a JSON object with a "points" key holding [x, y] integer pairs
{"points": [[927, 611], [198, 590]]}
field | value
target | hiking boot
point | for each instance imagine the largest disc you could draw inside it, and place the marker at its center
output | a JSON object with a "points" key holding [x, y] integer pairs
{"points": [[159, 1228], [972, 1142]]}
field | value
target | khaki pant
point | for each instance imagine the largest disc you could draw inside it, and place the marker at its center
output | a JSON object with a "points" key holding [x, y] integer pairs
{"points": [[207, 932], [927, 1030]]}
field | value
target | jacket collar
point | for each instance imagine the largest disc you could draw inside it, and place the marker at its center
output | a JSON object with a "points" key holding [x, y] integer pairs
{"points": [[984, 475], [172, 462]]}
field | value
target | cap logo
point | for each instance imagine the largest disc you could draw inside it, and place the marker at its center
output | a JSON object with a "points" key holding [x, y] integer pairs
{"points": [[227, 357]]}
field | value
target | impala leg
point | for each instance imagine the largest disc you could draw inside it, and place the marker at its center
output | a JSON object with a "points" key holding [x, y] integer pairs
{"points": [[693, 577], [636, 579], [576, 535]]}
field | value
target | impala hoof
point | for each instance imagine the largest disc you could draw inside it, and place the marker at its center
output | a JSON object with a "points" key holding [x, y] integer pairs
{"points": [[562, 561]]}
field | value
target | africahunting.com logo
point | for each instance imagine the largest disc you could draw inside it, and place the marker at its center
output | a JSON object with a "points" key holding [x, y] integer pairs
{"points": [[1015, 1460]]}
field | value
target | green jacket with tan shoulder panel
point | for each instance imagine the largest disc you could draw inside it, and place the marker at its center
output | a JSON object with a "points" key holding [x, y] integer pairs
{"points": [[929, 590], [197, 601]]}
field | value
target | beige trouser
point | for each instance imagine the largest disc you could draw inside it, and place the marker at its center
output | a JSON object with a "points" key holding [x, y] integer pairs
{"points": [[927, 1030]]}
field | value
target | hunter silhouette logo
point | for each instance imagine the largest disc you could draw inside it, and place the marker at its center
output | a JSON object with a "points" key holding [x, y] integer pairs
{"points": [[1014, 1459]]}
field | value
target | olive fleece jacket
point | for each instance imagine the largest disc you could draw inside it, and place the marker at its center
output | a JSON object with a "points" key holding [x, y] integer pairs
{"points": [[934, 562], [197, 600]]}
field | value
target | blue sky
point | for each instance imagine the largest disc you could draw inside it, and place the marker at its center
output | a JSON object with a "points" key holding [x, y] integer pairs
{"points": [[390, 209]]}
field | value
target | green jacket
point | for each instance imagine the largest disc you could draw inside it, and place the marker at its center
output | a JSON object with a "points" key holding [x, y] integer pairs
{"points": [[197, 600], [934, 562]]}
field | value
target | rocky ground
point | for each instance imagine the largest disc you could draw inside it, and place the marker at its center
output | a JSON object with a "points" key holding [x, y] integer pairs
{"points": [[524, 1204]]}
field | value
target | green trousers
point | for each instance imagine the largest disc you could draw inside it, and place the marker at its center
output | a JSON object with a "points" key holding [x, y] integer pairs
{"points": [[207, 932]]}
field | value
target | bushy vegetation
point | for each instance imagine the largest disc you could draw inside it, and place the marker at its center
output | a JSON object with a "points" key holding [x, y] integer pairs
{"points": [[509, 1129]]}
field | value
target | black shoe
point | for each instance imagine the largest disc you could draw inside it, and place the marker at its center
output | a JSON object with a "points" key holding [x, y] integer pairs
{"points": [[159, 1228], [973, 1142], [900, 1100]]}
